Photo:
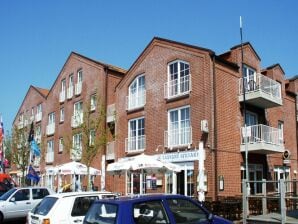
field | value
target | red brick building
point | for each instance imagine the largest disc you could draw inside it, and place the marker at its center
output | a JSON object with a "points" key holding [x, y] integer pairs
{"points": [[174, 100]]}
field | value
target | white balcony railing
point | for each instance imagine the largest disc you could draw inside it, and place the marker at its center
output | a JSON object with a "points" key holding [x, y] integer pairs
{"points": [[78, 88], [178, 137], [135, 144], [49, 157], [177, 87], [50, 129], [38, 117], [136, 100], [262, 133], [261, 86], [37, 138], [69, 94], [77, 120], [62, 96], [76, 154], [36, 161]]}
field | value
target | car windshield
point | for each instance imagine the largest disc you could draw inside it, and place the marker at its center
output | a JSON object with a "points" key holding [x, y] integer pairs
{"points": [[101, 213], [43, 207], [7, 194]]}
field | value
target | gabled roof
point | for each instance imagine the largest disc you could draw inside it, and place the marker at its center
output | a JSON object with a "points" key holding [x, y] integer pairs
{"points": [[159, 39], [41, 91], [239, 45], [273, 66], [107, 66]]}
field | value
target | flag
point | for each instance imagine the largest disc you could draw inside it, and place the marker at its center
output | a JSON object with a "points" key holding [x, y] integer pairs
{"points": [[31, 133], [1, 130], [34, 147], [32, 175]]}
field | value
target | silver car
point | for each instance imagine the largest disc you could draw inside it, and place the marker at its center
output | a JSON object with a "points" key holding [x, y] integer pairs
{"points": [[17, 202]]}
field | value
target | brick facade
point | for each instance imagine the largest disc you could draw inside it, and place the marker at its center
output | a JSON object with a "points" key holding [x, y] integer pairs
{"points": [[213, 96]]}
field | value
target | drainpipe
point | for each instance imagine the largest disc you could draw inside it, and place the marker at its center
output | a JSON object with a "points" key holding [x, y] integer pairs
{"points": [[214, 139]]}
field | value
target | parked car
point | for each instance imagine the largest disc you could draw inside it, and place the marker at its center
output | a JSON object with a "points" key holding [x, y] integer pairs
{"points": [[151, 209], [17, 202], [65, 208]]}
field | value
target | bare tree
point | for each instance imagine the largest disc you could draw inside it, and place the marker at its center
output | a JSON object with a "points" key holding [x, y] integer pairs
{"points": [[92, 133], [20, 149]]}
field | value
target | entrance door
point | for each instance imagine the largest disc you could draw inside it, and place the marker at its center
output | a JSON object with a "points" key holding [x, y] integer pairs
{"points": [[284, 174]]}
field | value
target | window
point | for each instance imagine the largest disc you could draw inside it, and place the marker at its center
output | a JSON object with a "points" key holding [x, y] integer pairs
{"points": [[77, 118], [179, 129], [63, 90], [255, 175], [185, 211], [77, 146], [39, 193], [92, 137], [93, 102], [250, 77], [136, 96], [281, 132], [38, 133], [78, 86], [61, 144], [22, 195], [38, 113], [282, 173], [50, 151], [70, 87], [82, 204], [51, 124], [136, 135], [150, 212], [178, 79], [62, 114]]}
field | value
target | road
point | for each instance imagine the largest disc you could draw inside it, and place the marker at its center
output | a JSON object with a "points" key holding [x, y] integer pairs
{"points": [[21, 221]]}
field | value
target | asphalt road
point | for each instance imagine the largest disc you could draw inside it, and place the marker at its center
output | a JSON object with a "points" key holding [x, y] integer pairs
{"points": [[21, 221]]}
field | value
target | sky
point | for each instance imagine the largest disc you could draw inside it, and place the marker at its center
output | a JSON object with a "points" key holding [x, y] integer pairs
{"points": [[36, 37]]}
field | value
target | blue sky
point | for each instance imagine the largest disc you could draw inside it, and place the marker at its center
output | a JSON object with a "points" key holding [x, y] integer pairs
{"points": [[36, 37]]}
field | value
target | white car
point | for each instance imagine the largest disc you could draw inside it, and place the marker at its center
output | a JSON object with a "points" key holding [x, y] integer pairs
{"points": [[17, 202], [65, 208]]}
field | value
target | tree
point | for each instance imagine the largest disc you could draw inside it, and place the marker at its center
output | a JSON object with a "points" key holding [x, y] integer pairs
{"points": [[90, 137], [20, 149]]}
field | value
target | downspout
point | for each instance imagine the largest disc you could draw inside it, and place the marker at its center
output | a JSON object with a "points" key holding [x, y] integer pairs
{"points": [[214, 139]]}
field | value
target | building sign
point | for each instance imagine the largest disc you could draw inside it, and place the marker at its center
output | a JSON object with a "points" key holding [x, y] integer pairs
{"points": [[179, 156]]}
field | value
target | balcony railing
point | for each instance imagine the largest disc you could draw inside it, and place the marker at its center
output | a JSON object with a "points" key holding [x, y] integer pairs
{"points": [[62, 96], [76, 153], [50, 129], [135, 144], [178, 137], [110, 155], [77, 120], [262, 139], [38, 117], [78, 88], [37, 138], [49, 157], [177, 87], [69, 92], [136, 100], [261, 91]]}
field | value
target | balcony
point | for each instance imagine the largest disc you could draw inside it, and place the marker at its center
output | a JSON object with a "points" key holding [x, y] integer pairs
{"points": [[76, 153], [262, 139], [78, 88], [50, 157], [110, 154], [69, 93], [136, 101], [38, 117], [50, 129], [77, 120], [135, 144], [262, 92], [62, 96], [176, 138], [177, 87]]}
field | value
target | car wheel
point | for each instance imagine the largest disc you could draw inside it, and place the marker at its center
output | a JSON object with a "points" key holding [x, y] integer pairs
{"points": [[1, 217]]}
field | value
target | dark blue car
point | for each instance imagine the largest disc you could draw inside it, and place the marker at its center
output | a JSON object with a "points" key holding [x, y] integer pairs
{"points": [[151, 209]]}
